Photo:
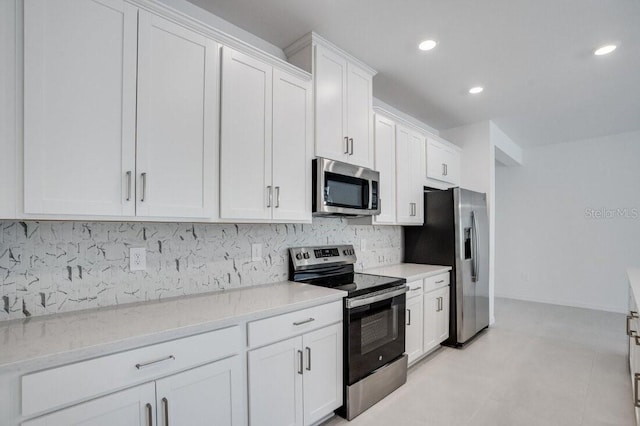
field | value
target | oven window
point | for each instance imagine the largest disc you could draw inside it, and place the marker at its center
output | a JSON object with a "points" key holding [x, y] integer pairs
{"points": [[378, 330], [346, 191]]}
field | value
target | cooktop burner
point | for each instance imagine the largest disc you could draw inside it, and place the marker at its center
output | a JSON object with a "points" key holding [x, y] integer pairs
{"points": [[332, 266]]}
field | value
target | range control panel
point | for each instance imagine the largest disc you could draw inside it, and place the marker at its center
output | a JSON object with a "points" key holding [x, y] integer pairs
{"points": [[322, 255]]}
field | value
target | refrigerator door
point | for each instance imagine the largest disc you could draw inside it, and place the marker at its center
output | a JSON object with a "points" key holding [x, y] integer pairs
{"points": [[472, 263]]}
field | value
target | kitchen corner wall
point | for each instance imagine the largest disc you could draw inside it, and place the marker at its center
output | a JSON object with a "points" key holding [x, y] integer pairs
{"points": [[51, 267]]}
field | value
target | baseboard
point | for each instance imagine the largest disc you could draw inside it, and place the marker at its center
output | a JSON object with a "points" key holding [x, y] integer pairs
{"points": [[572, 304]]}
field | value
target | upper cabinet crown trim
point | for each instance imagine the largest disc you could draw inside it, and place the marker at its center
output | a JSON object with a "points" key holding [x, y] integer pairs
{"points": [[312, 37], [181, 18], [399, 120]]}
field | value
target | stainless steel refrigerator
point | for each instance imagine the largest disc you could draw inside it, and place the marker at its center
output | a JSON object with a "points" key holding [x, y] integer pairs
{"points": [[456, 233]]}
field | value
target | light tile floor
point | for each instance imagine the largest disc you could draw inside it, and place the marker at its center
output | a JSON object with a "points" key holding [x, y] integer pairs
{"points": [[538, 365]]}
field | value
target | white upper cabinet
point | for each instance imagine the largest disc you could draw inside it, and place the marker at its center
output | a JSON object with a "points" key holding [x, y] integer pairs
{"points": [[266, 121], [292, 147], [245, 167], [330, 75], [360, 116], [177, 125], [79, 107], [8, 110], [410, 165], [385, 163], [443, 162], [343, 95]]}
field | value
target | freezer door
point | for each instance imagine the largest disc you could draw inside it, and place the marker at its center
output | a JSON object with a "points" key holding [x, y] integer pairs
{"points": [[472, 263]]}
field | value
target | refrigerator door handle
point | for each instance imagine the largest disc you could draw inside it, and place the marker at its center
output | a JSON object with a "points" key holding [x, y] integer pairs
{"points": [[474, 255]]}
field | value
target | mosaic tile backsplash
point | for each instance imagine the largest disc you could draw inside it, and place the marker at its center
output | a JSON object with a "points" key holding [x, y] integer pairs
{"points": [[51, 267]]}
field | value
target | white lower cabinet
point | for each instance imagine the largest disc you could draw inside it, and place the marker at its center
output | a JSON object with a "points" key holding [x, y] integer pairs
{"points": [[427, 315], [633, 326], [131, 407], [207, 395], [415, 326], [297, 381]]}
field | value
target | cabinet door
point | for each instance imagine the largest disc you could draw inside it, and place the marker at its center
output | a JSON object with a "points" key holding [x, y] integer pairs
{"points": [[385, 163], [292, 147], [8, 111], [79, 107], [131, 407], [322, 372], [330, 77], [431, 320], [417, 156], [245, 165], [275, 384], [359, 116], [404, 192], [177, 97], [435, 160], [442, 322], [452, 160], [415, 327], [207, 395]]}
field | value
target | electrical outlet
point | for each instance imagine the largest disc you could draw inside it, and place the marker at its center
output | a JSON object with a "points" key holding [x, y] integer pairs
{"points": [[363, 245], [137, 259], [256, 252]]}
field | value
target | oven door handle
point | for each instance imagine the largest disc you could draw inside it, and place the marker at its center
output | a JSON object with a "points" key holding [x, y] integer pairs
{"points": [[367, 300]]}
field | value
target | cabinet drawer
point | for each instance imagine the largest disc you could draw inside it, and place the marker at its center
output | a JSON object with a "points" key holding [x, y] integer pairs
{"points": [[48, 389], [415, 288], [283, 326], [436, 281]]}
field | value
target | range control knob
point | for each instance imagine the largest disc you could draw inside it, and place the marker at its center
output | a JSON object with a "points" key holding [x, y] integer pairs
{"points": [[306, 255], [299, 256], [345, 252]]}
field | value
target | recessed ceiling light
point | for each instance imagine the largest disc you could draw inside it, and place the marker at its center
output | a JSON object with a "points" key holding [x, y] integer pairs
{"points": [[427, 45], [476, 90], [604, 50]]}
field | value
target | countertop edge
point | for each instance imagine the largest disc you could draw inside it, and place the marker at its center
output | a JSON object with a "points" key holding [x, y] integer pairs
{"points": [[142, 340], [438, 269]]}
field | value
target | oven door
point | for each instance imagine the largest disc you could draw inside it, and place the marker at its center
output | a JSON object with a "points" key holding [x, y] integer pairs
{"points": [[376, 333]]}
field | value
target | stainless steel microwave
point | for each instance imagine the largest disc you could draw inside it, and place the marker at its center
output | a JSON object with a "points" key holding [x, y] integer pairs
{"points": [[341, 189]]}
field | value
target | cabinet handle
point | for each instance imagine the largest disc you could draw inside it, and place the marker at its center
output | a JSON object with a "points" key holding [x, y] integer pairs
{"points": [[416, 289], [632, 315], [409, 315], [308, 358], [346, 144], [351, 150], [304, 322], [269, 196], [147, 364], [165, 407], [444, 172], [635, 336], [439, 282], [636, 378], [300, 360], [143, 177], [446, 169], [129, 185], [149, 414], [277, 196]]}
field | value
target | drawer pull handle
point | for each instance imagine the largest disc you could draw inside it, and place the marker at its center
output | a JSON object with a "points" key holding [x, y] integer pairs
{"points": [[147, 364], [439, 282], [632, 315], [149, 415], [165, 404], [416, 289], [304, 322], [636, 377]]}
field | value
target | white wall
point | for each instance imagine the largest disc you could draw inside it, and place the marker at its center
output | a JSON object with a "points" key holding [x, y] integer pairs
{"points": [[548, 247]]}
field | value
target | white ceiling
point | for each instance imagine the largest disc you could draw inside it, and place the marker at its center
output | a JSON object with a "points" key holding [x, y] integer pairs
{"points": [[534, 58]]}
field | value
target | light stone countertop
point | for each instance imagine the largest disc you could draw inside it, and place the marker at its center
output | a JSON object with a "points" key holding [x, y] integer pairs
{"points": [[42, 342], [409, 271], [634, 282]]}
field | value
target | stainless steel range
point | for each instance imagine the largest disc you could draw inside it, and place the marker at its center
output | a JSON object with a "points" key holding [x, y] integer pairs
{"points": [[374, 317]]}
